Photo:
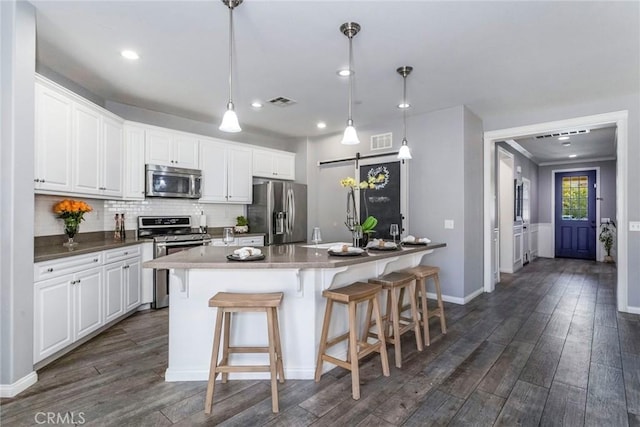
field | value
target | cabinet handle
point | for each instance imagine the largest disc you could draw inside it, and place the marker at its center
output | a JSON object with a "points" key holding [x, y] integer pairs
{"points": [[126, 253], [95, 260], [79, 280], [42, 180], [50, 270], [36, 180]]}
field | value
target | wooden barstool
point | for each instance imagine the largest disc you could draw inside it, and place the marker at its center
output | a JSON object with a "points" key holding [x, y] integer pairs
{"points": [[228, 303], [422, 273], [395, 283], [352, 295]]}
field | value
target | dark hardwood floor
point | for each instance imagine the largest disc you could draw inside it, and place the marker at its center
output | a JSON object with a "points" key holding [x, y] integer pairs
{"points": [[546, 348]]}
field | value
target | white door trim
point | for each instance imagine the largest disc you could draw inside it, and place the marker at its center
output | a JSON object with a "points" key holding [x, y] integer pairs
{"points": [[617, 118]]}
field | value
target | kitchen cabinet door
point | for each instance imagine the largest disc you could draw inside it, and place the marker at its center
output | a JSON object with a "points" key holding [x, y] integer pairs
{"points": [[113, 291], [284, 166], [213, 158], [274, 164], [88, 302], [263, 163], [111, 161], [53, 113], [185, 151], [86, 150], [132, 275], [239, 177], [134, 163], [159, 147], [53, 316]]}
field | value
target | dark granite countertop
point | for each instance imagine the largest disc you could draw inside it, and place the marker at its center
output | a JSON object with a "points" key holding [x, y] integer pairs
{"points": [[279, 256], [47, 248]]}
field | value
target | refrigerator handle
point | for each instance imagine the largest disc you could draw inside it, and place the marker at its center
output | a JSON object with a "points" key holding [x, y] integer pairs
{"points": [[292, 211], [270, 213]]}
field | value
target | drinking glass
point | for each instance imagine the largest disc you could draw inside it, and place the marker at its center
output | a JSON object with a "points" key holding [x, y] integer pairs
{"points": [[357, 235], [394, 232], [227, 236], [316, 237]]}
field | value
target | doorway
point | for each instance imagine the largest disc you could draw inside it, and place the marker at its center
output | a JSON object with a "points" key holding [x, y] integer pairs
{"points": [[575, 214], [618, 119]]}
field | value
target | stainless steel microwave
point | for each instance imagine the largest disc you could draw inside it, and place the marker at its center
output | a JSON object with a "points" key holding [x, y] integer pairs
{"points": [[166, 181]]}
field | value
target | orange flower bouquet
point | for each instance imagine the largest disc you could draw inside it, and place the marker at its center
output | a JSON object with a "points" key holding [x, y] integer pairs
{"points": [[72, 213]]}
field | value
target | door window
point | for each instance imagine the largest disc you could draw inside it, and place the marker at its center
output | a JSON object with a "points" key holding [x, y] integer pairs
{"points": [[575, 200]]}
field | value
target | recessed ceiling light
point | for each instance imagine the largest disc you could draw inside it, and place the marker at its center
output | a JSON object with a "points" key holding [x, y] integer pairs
{"points": [[404, 105], [572, 156], [130, 54], [566, 144], [563, 138], [256, 104], [344, 73], [321, 125]]}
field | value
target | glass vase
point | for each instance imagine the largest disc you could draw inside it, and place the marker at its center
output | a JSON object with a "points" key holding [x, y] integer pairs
{"points": [[70, 229]]}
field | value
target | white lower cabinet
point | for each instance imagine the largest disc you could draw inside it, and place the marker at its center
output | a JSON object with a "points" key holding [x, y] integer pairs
{"points": [[78, 295]]}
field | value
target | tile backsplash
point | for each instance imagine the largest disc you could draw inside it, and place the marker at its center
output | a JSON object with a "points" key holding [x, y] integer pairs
{"points": [[102, 216]]}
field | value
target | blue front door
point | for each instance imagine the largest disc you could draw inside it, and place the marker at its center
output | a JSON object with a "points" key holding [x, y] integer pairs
{"points": [[575, 214]]}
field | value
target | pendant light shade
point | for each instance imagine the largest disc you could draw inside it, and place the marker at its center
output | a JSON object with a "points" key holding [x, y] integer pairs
{"points": [[230, 119], [350, 137], [404, 153]]}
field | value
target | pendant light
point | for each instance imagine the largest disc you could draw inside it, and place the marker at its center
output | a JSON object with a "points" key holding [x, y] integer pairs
{"points": [[230, 119], [404, 153], [350, 29]]}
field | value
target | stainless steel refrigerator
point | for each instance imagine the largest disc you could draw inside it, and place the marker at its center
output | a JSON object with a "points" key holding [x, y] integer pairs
{"points": [[279, 210]]}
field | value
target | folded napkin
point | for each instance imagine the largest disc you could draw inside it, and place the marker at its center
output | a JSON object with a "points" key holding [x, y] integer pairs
{"points": [[379, 243], [344, 248], [424, 240], [246, 252], [413, 239]]}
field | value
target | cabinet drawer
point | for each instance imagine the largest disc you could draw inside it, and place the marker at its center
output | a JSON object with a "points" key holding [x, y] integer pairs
{"points": [[119, 254], [55, 268], [251, 241]]}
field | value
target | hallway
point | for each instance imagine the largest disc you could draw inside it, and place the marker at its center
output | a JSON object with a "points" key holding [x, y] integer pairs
{"points": [[547, 347]]}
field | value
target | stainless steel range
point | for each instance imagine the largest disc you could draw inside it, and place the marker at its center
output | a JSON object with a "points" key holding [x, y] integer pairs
{"points": [[170, 234]]}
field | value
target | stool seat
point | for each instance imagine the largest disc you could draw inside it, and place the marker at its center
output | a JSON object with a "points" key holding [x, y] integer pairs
{"points": [[232, 299], [395, 284], [422, 273], [350, 296], [228, 303]]}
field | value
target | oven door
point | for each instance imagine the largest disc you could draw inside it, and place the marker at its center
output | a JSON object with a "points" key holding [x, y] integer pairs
{"points": [[161, 276]]}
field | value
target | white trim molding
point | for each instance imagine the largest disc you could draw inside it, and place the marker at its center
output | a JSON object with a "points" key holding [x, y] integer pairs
{"points": [[12, 390], [616, 118], [633, 310], [457, 300]]}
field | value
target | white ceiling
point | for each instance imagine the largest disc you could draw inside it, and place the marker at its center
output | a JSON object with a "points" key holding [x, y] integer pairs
{"points": [[494, 57]]}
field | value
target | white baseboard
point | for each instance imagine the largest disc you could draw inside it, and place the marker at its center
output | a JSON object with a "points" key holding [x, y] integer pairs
{"points": [[12, 390], [633, 310], [457, 300]]}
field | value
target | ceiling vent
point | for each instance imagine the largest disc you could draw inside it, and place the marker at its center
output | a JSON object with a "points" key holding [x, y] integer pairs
{"points": [[567, 133], [281, 101], [381, 141]]}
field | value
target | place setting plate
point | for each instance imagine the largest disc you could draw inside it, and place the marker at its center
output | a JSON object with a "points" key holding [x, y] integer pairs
{"points": [[414, 243], [352, 253], [384, 248], [234, 257]]}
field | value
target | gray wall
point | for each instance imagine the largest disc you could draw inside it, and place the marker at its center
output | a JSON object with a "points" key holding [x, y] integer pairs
{"points": [[16, 195], [529, 171], [607, 187], [629, 102], [445, 183]]}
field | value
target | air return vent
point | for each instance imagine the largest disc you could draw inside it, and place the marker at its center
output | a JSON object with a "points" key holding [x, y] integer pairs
{"points": [[567, 133], [381, 141], [281, 101]]}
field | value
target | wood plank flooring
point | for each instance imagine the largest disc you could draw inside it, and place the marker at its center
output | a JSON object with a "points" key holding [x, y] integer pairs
{"points": [[546, 348]]}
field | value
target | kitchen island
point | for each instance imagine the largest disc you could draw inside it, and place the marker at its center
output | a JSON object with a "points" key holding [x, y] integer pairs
{"points": [[299, 271]]}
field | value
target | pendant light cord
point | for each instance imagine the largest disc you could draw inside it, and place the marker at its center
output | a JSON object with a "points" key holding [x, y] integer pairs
{"points": [[404, 110], [350, 121], [230, 53]]}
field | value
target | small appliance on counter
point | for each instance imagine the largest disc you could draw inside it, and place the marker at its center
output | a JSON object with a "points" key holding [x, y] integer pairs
{"points": [[170, 234], [166, 181], [279, 210]]}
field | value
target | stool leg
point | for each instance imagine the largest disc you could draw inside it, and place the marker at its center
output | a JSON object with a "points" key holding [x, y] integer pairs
{"points": [[443, 323], [421, 287], [395, 320], [384, 358], [388, 327], [208, 403], [272, 360], [323, 338], [367, 328], [278, 345], [225, 344], [353, 351], [414, 314]]}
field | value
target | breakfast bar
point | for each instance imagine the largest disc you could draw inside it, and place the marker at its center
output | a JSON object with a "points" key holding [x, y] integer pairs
{"points": [[301, 272]]}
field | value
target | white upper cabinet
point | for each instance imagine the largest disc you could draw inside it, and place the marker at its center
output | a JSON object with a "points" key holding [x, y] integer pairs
{"points": [[134, 163], [52, 140], [169, 148], [226, 172], [274, 164], [78, 145]]}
